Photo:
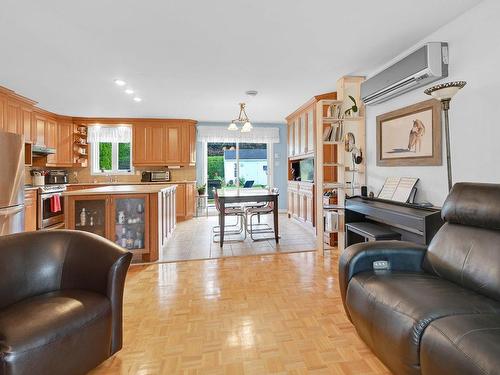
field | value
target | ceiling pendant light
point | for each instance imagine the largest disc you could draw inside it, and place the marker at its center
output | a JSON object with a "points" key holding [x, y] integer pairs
{"points": [[247, 126], [232, 126], [242, 119]]}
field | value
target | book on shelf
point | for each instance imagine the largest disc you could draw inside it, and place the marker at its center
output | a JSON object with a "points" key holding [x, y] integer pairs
{"points": [[333, 133]]}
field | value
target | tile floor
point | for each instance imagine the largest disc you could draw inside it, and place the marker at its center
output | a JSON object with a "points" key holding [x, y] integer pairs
{"points": [[192, 239]]}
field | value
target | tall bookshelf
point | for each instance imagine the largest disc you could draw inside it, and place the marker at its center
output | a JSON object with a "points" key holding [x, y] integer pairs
{"points": [[335, 171]]}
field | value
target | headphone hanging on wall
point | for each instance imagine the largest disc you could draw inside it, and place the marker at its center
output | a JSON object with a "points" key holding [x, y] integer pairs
{"points": [[357, 156]]}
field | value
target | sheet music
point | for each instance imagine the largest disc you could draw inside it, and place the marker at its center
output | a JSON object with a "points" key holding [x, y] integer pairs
{"points": [[390, 186], [398, 188], [403, 191]]}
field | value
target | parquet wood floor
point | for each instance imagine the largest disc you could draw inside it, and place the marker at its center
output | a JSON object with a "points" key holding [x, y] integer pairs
{"points": [[268, 314]]}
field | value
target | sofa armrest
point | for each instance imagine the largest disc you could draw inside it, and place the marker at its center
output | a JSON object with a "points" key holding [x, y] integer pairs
{"points": [[96, 264], [401, 255]]}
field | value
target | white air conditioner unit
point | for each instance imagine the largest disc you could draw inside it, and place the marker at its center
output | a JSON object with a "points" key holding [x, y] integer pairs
{"points": [[421, 67]]}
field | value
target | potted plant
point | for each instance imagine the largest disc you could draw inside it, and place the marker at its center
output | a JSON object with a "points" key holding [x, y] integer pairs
{"points": [[353, 109], [201, 189]]}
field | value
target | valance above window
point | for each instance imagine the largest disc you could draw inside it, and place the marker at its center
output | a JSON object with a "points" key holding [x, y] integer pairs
{"points": [[112, 134], [221, 134]]}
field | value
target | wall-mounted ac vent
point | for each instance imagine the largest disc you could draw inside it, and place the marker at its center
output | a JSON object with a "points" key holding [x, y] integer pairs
{"points": [[427, 64]]}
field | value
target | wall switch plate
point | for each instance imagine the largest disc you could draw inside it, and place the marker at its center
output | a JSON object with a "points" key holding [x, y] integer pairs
{"points": [[381, 265]]}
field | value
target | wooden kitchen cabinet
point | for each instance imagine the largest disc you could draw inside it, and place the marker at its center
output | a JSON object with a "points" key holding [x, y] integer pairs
{"points": [[29, 129], [188, 144], [180, 202], [185, 201], [148, 144], [30, 202], [50, 137], [174, 146], [39, 125], [13, 123], [64, 144], [164, 144], [138, 221]]}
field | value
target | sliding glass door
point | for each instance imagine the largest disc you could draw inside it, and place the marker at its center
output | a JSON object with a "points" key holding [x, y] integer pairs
{"points": [[237, 165]]}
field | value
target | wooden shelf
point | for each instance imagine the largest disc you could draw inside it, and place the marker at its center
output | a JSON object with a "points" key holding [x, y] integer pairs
{"points": [[333, 142], [333, 120], [332, 165]]}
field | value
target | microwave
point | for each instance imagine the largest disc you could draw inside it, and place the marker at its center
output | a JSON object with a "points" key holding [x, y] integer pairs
{"points": [[155, 176]]}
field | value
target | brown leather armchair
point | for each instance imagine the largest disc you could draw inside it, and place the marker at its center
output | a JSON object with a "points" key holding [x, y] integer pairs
{"points": [[61, 295], [435, 310]]}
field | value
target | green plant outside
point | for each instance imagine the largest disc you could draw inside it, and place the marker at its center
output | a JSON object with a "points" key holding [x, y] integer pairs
{"points": [[215, 167], [105, 157]]}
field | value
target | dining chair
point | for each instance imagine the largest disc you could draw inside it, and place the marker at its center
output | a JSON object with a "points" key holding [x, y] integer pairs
{"points": [[260, 228], [232, 229]]}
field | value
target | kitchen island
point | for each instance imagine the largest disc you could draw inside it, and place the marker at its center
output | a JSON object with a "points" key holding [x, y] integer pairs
{"points": [[139, 218]]}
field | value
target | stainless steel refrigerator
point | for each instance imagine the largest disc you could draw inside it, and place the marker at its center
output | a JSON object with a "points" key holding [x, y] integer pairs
{"points": [[11, 183]]}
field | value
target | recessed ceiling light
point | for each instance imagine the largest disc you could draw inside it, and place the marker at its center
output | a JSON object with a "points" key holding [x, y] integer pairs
{"points": [[137, 99], [120, 82], [129, 91], [251, 92]]}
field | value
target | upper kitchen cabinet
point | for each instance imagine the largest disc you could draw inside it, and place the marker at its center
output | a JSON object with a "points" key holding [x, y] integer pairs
{"points": [[148, 144], [174, 147], [16, 113], [164, 144], [64, 155], [50, 137], [188, 144], [301, 142]]}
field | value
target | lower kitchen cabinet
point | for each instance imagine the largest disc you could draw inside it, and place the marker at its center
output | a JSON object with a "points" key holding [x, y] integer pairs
{"points": [[185, 201], [30, 197], [139, 222]]}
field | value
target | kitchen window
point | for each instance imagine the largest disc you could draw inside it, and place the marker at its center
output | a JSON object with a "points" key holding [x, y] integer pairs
{"points": [[111, 150]]}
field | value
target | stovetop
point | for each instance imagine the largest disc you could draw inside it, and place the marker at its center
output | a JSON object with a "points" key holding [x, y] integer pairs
{"points": [[51, 189]]}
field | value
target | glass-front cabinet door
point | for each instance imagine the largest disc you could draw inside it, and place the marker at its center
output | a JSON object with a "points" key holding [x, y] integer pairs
{"points": [[129, 215], [89, 214], [290, 139], [303, 125], [310, 131]]}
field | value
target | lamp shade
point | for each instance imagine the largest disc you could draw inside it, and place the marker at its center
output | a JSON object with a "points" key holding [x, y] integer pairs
{"points": [[445, 91], [247, 126], [232, 126]]}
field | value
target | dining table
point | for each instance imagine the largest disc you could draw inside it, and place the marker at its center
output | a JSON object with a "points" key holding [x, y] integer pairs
{"points": [[247, 195]]}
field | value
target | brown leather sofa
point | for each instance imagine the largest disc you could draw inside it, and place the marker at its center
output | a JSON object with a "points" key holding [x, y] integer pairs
{"points": [[61, 298], [435, 310]]}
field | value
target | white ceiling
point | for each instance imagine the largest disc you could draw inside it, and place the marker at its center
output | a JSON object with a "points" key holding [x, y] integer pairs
{"points": [[195, 59]]}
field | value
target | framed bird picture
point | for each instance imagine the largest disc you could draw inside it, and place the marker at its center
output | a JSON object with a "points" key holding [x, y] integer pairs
{"points": [[410, 136]]}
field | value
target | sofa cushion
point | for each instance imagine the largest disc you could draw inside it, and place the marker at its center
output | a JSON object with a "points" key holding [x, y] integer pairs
{"points": [[38, 333], [460, 254], [462, 344], [391, 311]]}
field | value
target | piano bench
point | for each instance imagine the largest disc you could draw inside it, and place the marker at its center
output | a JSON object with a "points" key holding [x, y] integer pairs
{"points": [[370, 232]]}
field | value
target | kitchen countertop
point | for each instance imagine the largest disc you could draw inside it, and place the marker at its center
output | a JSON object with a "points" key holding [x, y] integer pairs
{"points": [[120, 189], [131, 183]]}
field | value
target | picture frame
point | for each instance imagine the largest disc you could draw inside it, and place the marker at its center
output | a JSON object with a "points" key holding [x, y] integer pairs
{"points": [[410, 136]]}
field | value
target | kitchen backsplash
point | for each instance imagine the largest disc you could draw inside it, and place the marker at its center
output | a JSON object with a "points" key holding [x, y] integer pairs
{"points": [[83, 175]]}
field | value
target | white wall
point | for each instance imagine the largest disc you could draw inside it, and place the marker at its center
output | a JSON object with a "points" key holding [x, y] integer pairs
{"points": [[474, 44]]}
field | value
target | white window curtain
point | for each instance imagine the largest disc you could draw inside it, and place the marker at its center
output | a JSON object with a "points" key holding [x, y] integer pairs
{"points": [[221, 134], [113, 134]]}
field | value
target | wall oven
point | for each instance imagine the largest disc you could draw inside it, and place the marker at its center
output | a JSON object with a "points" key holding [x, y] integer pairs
{"points": [[48, 217]]}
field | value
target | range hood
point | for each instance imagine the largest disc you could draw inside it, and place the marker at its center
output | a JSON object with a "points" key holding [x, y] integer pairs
{"points": [[37, 150]]}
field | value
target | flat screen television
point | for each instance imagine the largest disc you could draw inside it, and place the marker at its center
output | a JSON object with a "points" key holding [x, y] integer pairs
{"points": [[307, 170]]}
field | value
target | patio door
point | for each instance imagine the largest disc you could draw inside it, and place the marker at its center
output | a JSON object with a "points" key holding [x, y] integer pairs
{"points": [[237, 165]]}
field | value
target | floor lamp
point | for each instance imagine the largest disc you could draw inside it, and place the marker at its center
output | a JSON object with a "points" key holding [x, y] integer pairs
{"points": [[444, 92]]}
